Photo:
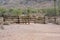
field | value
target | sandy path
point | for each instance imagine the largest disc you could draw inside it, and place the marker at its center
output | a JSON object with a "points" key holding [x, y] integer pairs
{"points": [[30, 32]]}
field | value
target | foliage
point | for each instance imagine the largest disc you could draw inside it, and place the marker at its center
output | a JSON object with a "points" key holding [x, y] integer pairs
{"points": [[2, 11], [15, 11], [18, 12]]}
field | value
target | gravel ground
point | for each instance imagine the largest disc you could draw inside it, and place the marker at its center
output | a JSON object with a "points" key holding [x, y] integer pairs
{"points": [[30, 32]]}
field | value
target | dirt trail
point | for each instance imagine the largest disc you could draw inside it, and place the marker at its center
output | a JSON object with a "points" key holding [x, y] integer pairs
{"points": [[30, 32]]}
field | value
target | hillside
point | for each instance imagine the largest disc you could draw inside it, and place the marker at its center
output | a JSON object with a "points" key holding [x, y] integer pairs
{"points": [[26, 3]]}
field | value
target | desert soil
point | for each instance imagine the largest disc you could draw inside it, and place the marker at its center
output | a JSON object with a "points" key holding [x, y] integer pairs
{"points": [[30, 32]]}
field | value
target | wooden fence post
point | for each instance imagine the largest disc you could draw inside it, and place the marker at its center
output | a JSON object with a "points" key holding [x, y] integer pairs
{"points": [[44, 20], [18, 20]]}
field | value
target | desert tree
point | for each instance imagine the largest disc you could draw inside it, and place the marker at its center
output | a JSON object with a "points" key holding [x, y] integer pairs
{"points": [[55, 9]]}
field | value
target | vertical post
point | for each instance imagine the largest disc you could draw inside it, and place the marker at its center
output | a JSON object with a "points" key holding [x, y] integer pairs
{"points": [[3, 20], [18, 20], [44, 19], [3, 17]]}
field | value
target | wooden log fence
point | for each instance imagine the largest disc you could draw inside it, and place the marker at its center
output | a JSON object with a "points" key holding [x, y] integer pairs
{"points": [[25, 19]]}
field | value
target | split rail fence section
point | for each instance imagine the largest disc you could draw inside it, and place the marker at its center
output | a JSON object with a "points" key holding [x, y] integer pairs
{"points": [[28, 19]]}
